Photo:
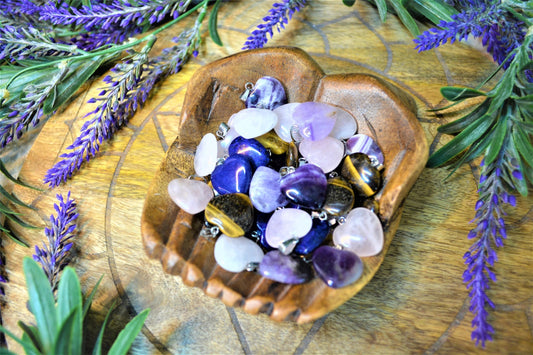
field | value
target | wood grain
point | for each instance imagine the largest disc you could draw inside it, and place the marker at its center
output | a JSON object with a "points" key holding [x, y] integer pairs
{"points": [[416, 302]]}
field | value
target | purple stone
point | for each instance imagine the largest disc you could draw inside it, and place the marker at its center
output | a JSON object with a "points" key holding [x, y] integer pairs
{"points": [[361, 143], [284, 268], [315, 120], [250, 148], [265, 191], [234, 175], [306, 186], [336, 267], [268, 93], [309, 242]]}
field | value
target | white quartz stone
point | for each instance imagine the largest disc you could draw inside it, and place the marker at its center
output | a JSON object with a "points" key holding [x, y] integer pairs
{"points": [[192, 196], [326, 153], [285, 224], [285, 120], [231, 134], [254, 122], [234, 254], [362, 233], [205, 158], [345, 126]]}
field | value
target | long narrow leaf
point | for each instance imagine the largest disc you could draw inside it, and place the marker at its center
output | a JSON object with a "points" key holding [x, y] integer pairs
{"points": [[382, 9], [434, 10], [406, 18], [519, 184], [31, 333], [41, 302], [27, 345], [89, 299], [496, 140], [128, 334], [454, 93], [523, 144], [213, 26], [8, 232], [14, 199], [65, 337], [69, 299], [8, 175], [97, 350]]}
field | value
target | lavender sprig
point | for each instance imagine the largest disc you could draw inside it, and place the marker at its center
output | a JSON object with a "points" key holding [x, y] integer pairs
{"points": [[279, 16], [54, 256]]}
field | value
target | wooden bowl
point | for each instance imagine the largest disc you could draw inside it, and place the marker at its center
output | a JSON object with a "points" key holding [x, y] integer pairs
{"points": [[382, 111]]}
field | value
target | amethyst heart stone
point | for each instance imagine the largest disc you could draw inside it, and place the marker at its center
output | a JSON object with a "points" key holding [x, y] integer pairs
{"points": [[306, 186], [337, 268], [284, 268]]}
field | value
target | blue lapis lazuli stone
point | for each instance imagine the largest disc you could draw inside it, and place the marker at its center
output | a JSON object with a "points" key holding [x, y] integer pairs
{"points": [[250, 148], [261, 224], [232, 176], [314, 238]]}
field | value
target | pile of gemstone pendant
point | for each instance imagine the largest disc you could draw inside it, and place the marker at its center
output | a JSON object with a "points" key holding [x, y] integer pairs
{"points": [[287, 190]]}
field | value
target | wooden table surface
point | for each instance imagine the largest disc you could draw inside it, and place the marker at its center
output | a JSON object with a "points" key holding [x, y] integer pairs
{"points": [[416, 303]]}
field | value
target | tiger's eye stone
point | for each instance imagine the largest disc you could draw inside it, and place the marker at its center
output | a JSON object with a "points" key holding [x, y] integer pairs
{"points": [[233, 214], [284, 268], [252, 149], [272, 141], [306, 186], [339, 197], [292, 155], [234, 175], [268, 93], [359, 171]]}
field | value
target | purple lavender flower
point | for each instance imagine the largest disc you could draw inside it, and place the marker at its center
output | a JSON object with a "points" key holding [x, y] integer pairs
{"points": [[277, 18], [54, 256], [489, 233], [499, 30]]}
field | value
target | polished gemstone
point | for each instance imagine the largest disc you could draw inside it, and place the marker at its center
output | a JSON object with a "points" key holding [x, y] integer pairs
{"points": [[326, 153], [361, 143], [268, 93], [287, 223], [265, 192], [192, 196], [261, 222], [339, 197], [359, 171], [234, 254], [285, 123], [206, 156], [315, 120], [337, 268], [309, 242], [284, 268], [273, 142], [233, 175], [233, 214], [345, 125], [224, 143], [293, 156], [251, 148], [253, 122], [306, 186], [361, 233]]}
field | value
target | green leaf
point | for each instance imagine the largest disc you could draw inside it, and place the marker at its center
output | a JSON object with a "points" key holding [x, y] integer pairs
{"points": [[89, 299], [382, 9], [8, 175], [13, 217], [31, 333], [463, 122], [14, 199], [523, 144], [496, 140], [519, 184], [348, 2], [471, 153], [453, 93], [213, 26], [69, 299], [65, 340], [97, 350], [406, 18], [462, 141], [27, 345], [4, 351], [434, 10], [41, 301], [14, 237], [128, 334]]}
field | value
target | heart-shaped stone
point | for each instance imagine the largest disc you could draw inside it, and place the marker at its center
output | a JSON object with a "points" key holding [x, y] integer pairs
{"points": [[314, 152], [232, 213], [361, 233], [234, 254], [265, 191], [233, 175], [306, 186], [309, 242], [284, 268], [268, 93], [315, 120], [359, 171], [361, 143], [287, 223], [192, 196], [250, 148], [206, 155], [337, 268], [253, 122]]}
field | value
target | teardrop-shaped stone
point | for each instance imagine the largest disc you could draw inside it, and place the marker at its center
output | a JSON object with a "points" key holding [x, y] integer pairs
{"points": [[345, 125], [359, 171], [234, 254], [326, 153], [233, 214], [206, 156], [306, 186], [268, 93], [337, 268], [284, 268], [361, 143], [339, 197], [309, 242], [251, 148], [361, 233], [287, 223], [273, 142], [315, 120], [233, 175], [192, 196], [285, 123], [253, 122], [265, 192]]}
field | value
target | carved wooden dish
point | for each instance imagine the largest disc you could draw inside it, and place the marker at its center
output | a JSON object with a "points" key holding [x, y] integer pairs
{"points": [[383, 112]]}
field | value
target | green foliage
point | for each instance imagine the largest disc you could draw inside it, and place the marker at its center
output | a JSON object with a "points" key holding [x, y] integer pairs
{"points": [[59, 327]]}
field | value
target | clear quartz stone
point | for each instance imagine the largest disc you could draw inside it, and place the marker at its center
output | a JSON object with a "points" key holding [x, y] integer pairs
{"points": [[206, 156], [362, 233], [234, 254], [287, 223], [192, 196], [253, 122], [345, 125], [326, 153], [285, 123]]}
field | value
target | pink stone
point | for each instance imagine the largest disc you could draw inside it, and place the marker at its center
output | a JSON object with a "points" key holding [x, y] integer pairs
{"points": [[253, 122], [326, 153], [362, 233], [192, 196], [345, 126], [285, 120], [287, 223], [206, 155]]}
